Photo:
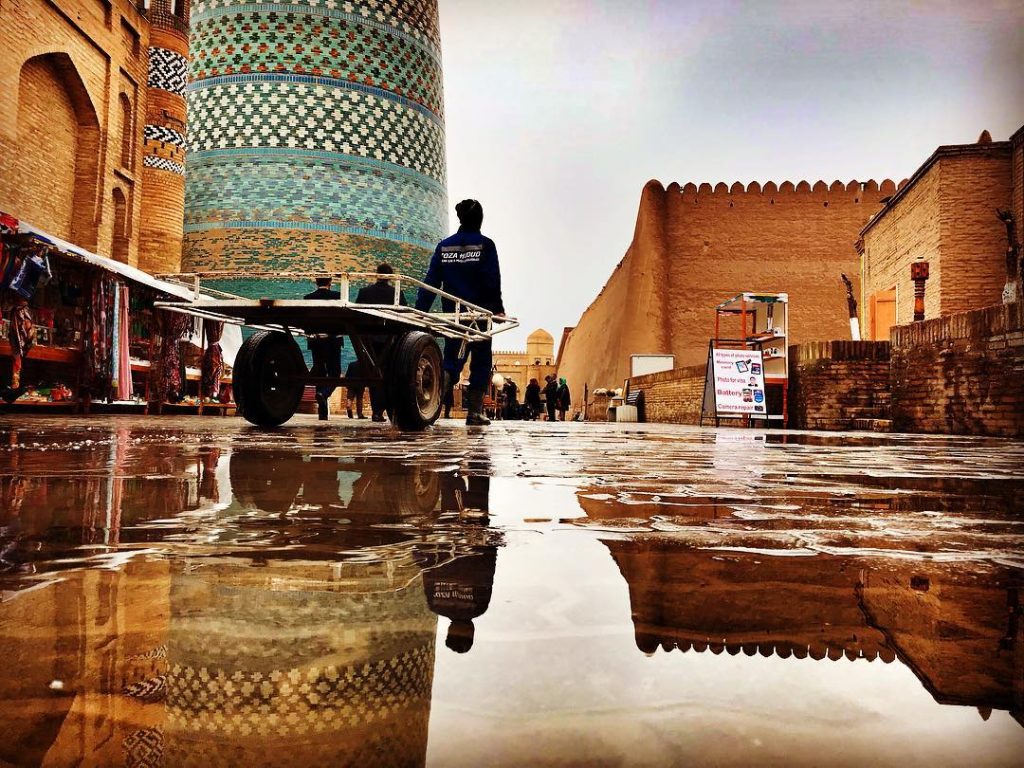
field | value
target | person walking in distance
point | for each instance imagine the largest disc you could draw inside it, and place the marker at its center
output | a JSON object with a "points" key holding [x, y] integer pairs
{"points": [[325, 349], [563, 399], [383, 291], [466, 265], [532, 399], [550, 396]]}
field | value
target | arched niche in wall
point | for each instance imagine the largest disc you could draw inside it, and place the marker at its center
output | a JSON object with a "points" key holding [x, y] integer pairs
{"points": [[122, 233], [57, 165], [127, 116]]}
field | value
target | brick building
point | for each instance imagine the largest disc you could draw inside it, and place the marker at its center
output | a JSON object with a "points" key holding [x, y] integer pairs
{"points": [[535, 362], [946, 216], [316, 138], [75, 75], [163, 162]]}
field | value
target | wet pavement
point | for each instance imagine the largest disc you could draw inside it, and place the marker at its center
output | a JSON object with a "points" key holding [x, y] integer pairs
{"points": [[199, 592]]}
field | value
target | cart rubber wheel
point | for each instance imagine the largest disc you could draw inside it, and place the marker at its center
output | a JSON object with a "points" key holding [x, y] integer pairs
{"points": [[266, 384], [241, 364], [267, 481], [415, 379]]}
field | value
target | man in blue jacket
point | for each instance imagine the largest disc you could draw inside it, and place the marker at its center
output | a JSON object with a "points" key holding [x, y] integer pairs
{"points": [[466, 265]]}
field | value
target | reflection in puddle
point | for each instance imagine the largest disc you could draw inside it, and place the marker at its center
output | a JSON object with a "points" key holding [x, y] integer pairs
{"points": [[325, 597], [961, 634]]}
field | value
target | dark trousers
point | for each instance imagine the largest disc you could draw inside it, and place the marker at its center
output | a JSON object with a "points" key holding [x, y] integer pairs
{"points": [[326, 362], [551, 410], [479, 354]]}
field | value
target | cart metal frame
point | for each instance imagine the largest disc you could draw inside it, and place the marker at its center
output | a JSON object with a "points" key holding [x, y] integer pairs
{"points": [[378, 333]]}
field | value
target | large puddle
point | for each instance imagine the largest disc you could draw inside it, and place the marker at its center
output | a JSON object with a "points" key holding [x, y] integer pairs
{"points": [[535, 594]]}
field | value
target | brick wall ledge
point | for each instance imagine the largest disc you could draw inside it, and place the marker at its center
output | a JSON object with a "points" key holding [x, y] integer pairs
{"points": [[979, 323], [639, 382], [839, 350]]}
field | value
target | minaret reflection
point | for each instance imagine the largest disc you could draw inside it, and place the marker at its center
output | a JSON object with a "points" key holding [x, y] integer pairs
{"points": [[317, 646], [292, 622]]}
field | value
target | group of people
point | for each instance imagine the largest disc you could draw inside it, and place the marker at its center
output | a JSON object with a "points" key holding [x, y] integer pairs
{"points": [[556, 398], [326, 349], [463, 265]]}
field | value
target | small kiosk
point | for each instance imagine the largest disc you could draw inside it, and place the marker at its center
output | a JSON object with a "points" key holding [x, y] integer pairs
{"points": [[748, 366]]}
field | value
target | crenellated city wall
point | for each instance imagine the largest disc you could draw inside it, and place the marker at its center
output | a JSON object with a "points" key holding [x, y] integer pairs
{"points": [[695, 246]]}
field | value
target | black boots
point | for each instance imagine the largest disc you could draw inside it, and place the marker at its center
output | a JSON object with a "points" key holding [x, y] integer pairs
{"points": [[321, 407], [475, 416]]}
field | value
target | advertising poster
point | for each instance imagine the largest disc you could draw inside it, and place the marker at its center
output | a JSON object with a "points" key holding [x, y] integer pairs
{"points": [[739, 382]]}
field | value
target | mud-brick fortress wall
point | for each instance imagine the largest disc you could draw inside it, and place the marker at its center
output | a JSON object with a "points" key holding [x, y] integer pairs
{"points": [[961, 374], [316, 136], [694, 247], [164, 138], [73, 76]]}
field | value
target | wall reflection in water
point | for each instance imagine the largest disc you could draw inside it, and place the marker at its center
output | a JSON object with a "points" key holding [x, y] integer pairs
{"points": [[302, 634], [959, 629]]}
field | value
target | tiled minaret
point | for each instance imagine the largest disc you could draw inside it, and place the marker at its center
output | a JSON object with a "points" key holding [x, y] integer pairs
{"points": [[163, 164], [316, 136]]}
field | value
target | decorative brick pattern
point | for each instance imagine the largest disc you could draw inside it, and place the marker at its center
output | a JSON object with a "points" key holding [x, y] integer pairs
{"points": [[168, 71], [281, 249], [163, 164], [307, 113], [414, 18], [164, 139], [330, 46], [316, 136], [164, 135], [334, 193]]}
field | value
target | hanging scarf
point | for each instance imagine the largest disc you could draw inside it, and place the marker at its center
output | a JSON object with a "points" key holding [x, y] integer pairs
{"points": [[99, 366], [212, 367], [22, 332], [123, 351], [170, 381]]}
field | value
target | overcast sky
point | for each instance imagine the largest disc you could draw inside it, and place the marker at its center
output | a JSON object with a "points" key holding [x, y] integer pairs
{"points": [[558, 112]]}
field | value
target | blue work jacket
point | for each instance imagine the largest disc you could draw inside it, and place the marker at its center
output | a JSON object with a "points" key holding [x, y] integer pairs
{"points": [[466, 265]]}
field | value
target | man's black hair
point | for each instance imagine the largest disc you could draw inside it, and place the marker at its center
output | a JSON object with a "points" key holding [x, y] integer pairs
{"points": [[323, 281], [385, 269], [471, 215]]}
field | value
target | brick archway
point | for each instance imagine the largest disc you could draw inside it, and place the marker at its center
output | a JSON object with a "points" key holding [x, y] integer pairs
{"points": [[56, 172]]}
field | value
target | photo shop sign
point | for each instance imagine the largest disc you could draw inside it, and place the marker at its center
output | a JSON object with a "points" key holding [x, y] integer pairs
{"points": [[734, 385]]}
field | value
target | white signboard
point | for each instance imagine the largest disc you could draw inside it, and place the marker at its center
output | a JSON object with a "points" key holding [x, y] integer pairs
{"points": [[739, 382], [641, 365]]}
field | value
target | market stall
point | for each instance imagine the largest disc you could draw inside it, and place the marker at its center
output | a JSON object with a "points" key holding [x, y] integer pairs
{"points": [[748, 365], [79, 332]]}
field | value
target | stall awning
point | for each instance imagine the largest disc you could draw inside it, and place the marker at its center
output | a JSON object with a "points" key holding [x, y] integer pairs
{"points": [[230, 342], [125, 270]]}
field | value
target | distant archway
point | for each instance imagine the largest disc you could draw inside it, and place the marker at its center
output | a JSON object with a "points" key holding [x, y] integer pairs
{"points": [[56, 180]]}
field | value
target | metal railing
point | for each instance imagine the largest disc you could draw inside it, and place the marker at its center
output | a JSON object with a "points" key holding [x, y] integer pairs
{"points": [[468, 321]]}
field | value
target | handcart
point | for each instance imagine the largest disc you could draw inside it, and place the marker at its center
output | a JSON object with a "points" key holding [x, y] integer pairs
{"points": [[395, 345]]}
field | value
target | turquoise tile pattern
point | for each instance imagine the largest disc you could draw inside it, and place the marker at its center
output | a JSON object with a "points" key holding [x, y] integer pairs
{"points": [[316, 136]]}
